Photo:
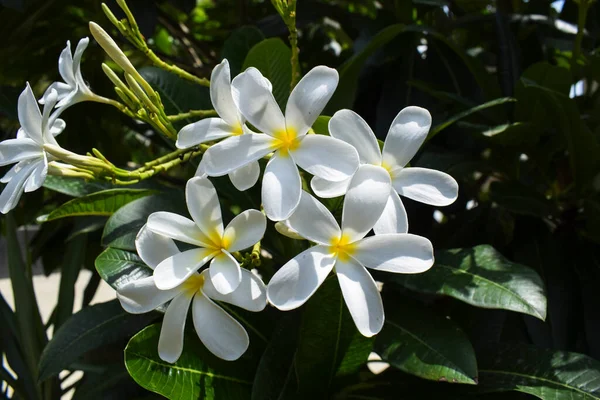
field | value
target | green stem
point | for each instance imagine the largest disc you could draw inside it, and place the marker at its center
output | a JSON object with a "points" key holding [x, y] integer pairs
{"points": [[173, 68], [291, 24], [193, 114], [583, 6]]}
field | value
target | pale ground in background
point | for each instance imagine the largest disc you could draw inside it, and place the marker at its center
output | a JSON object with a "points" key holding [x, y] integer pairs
{"points": [[46, 290]]}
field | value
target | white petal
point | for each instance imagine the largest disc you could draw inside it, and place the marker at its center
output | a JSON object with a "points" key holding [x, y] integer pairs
{"points": [[299, 278], [173, 271], [220, 93], [170, 342], [47, 119], [286, 230], [225, 273], [245, 177], [326, 157], [256, 102], [348, 126], [12, 192], [281, 187], [218, 331], [65, 65], [245, 230], [361, 296], [407, 133], [30, 116], [426, 186], [142, 296], [57, 127], [394, 218], [154, 248], [313, 221], [38, 175], [235, 152], [250, 295], [11, 173], [395, 252], [177, 227], [15, 150], [62, 90], [309, 98], [203, 203], [81, 46], [205, 130], [365, 200], [329, 189]]}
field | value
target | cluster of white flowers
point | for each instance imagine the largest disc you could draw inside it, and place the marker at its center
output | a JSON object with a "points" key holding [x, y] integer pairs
{"points": [[250, 127]]}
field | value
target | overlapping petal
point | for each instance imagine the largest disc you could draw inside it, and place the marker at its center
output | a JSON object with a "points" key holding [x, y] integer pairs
{"points": [[329, 189], [174, 270], [313, 221], [309, 98], [142, 296], [365, 200], [170, 342], [348, 126], [406, 135], [250, 295], [30, 116], [326, 157], [154, 248], [400, 253], [219, 332], [202, 131], [14, 189], [225, 273], [177, 227], [15, 150], [281, 187], [393, 218], [361, 296], [256, 102], [65, 65], [203, 204], [245, 230], [294, 283], [38, 175], [235, 152], [220, 94], [246, 176], [426, 185]]}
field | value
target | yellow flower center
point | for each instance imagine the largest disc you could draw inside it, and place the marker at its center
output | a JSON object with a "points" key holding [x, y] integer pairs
{"points": [[342, 247], [286, 140], [237, 130], [193, 284]]}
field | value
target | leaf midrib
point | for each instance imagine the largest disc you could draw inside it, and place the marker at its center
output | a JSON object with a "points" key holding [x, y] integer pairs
{"points": [[490, 371]]}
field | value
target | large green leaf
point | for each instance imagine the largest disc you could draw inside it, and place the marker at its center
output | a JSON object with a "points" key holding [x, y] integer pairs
{"points": [[122, 227], [424, 344], [272, 58], [198, 374], [72, 262], [545, 374], [102, 203], [520, 199], [482, 277], [237, 46], [118, 267], [74, 187], [89, 329]]}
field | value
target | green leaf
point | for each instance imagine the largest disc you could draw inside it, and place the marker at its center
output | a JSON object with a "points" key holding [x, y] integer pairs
{"points": [[93, 385], [272, 58], [72, 262], [122, 227], [520, 199], [440, 127], [177, 94], [198, 374], [329, 344], [482, 277], [421, 343], [102, 203], [119, 267], [516, 134], [74, 187], [237, 46], [543, 373], [321, 125], [89, 329]]}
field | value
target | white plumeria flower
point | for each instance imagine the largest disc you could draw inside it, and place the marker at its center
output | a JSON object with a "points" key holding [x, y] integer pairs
{"points": [[74, 89], [230, 123], [320, 155], [406, 135], [27, 150], [205, 231], [220, 333], [346, 250]]}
